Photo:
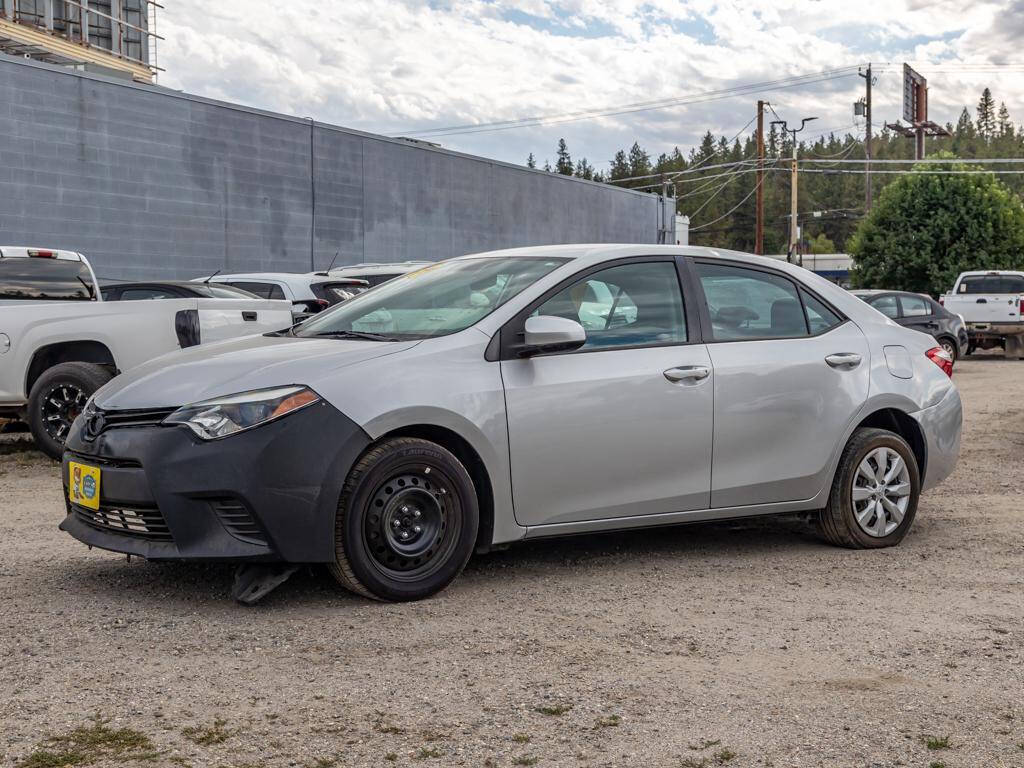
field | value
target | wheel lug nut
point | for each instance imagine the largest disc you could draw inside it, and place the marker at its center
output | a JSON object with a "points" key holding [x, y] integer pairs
{"points": [[405, 509], [416, 513], [417, 528], [405, 534], [396, 523]]}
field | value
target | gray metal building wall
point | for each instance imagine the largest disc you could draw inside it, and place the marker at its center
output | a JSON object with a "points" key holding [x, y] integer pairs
{"points": [[151, 183]]}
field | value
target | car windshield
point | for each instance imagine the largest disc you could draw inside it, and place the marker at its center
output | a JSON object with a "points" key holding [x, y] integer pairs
{"points": [[434, 301]]}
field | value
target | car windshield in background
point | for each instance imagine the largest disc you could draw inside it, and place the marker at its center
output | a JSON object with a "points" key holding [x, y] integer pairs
{"points": [[46, 279], [434, 301], [992, 284]]}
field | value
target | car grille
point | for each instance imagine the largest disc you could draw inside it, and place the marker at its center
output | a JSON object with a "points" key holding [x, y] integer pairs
{"points": [[146, 524], [141, 417], [238, 521]]}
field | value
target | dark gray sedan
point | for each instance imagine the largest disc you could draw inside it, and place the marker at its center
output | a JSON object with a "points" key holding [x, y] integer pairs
{"points": [[922, 313]]}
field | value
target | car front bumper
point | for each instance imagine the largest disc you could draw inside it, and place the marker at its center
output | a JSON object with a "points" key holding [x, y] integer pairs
{"points": [[266, 494], [941, 425]]}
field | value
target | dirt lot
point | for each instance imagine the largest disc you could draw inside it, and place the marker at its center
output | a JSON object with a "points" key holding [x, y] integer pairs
{"points": [[745, 645]]}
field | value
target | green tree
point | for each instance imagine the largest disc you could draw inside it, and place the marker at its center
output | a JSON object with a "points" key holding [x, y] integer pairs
{"points": [[986, 115], [925, 229], [584, 169], [1005, 126], [564, 162], [620, 167], [531, 161], [639, 161], [821, 244]]}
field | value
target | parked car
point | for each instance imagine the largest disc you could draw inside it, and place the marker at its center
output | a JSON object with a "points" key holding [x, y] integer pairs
{"points": [[466, 406], [59, 341], [922, 313], [992, 305], [171, 289], [376, 273], [308, 293]]}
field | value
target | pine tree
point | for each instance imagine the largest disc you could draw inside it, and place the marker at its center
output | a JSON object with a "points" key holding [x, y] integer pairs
{"points": [[620, 167], [639, 161], [986, 115], [564, 162], [547, 166], [531, 162], [1005, 126], [584, 169]]}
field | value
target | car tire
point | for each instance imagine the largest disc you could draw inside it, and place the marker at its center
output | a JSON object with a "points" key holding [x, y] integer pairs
{"points": [[950, 346], [406, 523], [863, 513], [57, 397]]}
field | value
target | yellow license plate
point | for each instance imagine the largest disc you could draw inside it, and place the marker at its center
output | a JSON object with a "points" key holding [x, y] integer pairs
{"points": [[84, 485]]}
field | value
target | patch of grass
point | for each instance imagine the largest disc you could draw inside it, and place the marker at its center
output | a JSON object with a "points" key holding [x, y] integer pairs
{"points": [[724, 755], [521, 738], [553, 710], [391, 757], [89, 744], [936, 764], [424, 752], [693, 762], [607, 722], [208, 735], [525, 760], [936, 742], [704, 744]]}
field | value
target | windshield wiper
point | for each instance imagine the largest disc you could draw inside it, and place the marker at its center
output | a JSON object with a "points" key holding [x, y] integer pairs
{"points": [[355, 335]]}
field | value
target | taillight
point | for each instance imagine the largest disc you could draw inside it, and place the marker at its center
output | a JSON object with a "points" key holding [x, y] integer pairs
{"points": [[323, 303], [35, 253], [941, 358]]}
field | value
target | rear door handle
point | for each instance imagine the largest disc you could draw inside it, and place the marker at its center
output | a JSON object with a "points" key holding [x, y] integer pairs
{"points": [[688, 373], [843, 360], [248, 316]]}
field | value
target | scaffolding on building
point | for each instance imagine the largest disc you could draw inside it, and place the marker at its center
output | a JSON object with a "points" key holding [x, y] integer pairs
{"points": [[99, 35]]}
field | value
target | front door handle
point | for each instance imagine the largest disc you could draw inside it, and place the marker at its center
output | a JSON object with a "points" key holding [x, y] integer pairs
{"points": [[843, 360], [688, 373], [248, 316]]}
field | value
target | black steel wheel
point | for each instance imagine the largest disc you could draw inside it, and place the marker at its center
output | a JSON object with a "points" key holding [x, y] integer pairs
{"points": [[407, 521], [57, 397]]}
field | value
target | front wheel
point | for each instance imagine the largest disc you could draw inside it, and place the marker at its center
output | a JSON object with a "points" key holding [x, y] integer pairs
{"points": [[874, 494], [407, 521], [56, 399]]}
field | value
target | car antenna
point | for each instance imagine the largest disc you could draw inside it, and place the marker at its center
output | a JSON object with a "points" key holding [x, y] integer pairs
{"points": [[211, 277], [327, 271], [89, 288]]}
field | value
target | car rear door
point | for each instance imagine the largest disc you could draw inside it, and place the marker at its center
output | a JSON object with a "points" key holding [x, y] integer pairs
{"points": [[622, 426], [790, 375], [916, 313]]}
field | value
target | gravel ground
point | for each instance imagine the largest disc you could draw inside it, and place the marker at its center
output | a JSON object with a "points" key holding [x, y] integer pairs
{"points": [[742, 644]]}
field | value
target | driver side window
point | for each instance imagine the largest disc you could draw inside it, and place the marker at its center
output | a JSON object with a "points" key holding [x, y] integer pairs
{"points": [[625, 306]]}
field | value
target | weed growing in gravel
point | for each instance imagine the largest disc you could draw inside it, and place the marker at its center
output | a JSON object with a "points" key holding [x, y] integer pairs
{"points": [[207, 735], [704, 744], [724, 755], [936, 764], [424, 752], [88, 744], [380, 724], [554, 710], [525, 760], [323, 762], [391, 757], [521, 738], [693, 762], [936, 742], [607, 722]]}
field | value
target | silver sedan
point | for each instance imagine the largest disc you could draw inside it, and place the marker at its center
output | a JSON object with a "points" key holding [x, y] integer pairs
{"points": [[515, 395]]}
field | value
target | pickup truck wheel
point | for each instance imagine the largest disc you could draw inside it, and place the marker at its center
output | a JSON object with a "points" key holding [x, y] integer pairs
{"points": [[874, 494], [406, 523], [56, 399]]}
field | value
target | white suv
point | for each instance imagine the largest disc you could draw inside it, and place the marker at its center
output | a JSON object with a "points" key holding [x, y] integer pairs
{"points": [[376, 273], [309, 293]]}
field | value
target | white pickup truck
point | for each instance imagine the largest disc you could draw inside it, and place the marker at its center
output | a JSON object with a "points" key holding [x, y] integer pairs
{"points": [[990, 302], [60, 342]]}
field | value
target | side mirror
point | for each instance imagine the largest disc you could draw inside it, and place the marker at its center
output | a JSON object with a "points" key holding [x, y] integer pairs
{"points": [[547, 333]]}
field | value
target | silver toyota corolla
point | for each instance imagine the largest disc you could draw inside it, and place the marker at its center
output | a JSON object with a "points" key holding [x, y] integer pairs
{"points": [[513, 395]]}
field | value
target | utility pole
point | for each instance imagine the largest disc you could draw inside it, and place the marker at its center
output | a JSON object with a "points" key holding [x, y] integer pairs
{"points": [[867, 138], [794, 231], [759, 230]]}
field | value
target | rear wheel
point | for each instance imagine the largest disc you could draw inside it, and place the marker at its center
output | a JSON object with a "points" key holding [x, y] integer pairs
{"points": [[950, 346], [874, 494], [407, 521], [56, 399]]}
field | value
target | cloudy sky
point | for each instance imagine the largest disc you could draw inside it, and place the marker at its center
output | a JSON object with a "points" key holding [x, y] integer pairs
{"points": [[398, 66]]}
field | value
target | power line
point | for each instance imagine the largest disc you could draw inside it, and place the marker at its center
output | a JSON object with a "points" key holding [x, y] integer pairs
{"points": [[930, 161], [729, 212], [793, 81]]}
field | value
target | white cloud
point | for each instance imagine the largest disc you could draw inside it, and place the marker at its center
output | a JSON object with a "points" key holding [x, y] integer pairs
{"points": [[393, 66]]}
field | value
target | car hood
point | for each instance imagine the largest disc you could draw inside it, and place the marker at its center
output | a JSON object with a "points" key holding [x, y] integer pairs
{"points": [[237, 365]]}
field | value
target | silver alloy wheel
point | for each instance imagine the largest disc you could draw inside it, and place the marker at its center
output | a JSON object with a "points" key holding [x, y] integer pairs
{"points": [[881, 492], [950, 349]]}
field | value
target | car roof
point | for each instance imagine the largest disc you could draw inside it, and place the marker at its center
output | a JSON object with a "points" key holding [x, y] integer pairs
{"points": [[880, 291], [29, 251]]}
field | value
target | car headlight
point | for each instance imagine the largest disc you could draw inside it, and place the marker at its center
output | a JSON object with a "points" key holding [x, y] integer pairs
{"points": [[223, 416]]}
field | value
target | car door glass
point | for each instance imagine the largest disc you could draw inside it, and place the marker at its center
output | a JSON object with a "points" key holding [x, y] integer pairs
{"points": [[886, 305], [915, 306], [750, 304], [819, 317], [138, 294], [629, 305], [263, 290]]}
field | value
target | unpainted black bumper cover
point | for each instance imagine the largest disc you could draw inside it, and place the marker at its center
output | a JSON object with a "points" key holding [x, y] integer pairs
{"points": [[287, 474]]}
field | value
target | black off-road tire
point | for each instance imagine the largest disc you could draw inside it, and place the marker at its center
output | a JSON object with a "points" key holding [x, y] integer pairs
{"points": [[399, 473], [83, 378], [837, 522]]}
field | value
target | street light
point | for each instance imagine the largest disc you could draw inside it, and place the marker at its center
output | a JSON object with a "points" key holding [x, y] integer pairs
{"points": [[794, 235]]}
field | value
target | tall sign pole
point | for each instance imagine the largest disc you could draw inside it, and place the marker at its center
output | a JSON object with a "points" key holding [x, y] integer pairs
{"points": [[759, 230], [915, 112]]}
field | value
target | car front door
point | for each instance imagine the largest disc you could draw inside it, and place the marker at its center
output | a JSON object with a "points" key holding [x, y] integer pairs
{"points": [[790, 374], [621, 426]]}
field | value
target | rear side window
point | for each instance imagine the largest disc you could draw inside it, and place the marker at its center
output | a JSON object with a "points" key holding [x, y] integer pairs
{"points": [[750, 304], [819, 317], [263, 290], [886, 305], [992, 284], [915, 306], [39, 278], [625, 306]]}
